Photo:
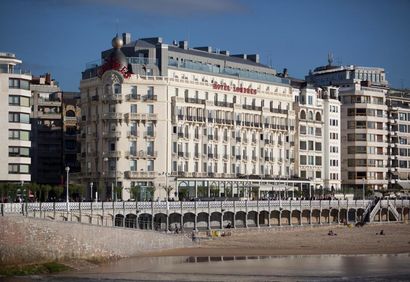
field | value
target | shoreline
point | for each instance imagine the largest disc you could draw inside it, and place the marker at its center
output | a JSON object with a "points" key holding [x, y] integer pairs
{"points": [[302, 241]]}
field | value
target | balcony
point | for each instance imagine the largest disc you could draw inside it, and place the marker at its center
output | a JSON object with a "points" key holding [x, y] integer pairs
{"points": [[149, 98], [223, 104], [112, 134], [112, 116], [238, 157], [142, 117], [278, 111], [112, 98], [133, 97], [195, 101], [149, 134], [140, 174], [132, 134], [238, 139], [113, 154], [211, 156], [134, 154]]}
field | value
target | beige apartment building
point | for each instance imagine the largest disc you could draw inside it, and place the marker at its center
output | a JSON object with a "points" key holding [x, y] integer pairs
{"points": [[15, 116], [364, 122], [157, 115]]}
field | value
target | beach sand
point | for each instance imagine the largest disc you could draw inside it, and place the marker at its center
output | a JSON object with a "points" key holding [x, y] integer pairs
{"points": [[303, 241]]}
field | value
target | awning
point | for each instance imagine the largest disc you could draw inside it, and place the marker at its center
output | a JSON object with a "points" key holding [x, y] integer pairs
{"points": [[281, 187], [404, 184]]}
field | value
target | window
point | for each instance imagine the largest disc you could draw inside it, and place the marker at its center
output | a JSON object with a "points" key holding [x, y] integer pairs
{"points": [[318, 146], [117, 88], [133, 108], [302, 115], [150, 109], [318, 160], [19, 117], [15, 134], [19, 168], [303, 160], [310, 145], [311, 160], [310, 100], [19, 152], [150, 165], [19, 83], [302, 145], [133, 165]]}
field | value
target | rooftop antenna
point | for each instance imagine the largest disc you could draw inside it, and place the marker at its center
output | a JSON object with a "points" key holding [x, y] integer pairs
{"points": [[117, 22], [330, 58]]}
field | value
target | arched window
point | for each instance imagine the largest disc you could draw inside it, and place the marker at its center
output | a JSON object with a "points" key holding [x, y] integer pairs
{"points": [[302, 115], [70, 113], [318, 116], [310, 115], [117, 88]]}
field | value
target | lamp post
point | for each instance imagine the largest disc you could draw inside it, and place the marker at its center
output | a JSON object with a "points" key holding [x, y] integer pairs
{"points": [[364, 181], [67, 169], [91, 191], [106, 173]]}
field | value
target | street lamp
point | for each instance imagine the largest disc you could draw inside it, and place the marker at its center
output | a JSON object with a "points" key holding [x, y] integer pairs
{"points": [[106, 175], [364, 181], [91, 191], [67, 169]]}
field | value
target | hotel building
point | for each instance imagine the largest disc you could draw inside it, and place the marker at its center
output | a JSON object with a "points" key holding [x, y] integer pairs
{"points": [[364, 126], [157, 115], [15, 120]]}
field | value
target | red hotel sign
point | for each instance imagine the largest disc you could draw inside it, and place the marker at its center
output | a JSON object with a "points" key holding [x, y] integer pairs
{"points": [[114, 65], [225, 87]]}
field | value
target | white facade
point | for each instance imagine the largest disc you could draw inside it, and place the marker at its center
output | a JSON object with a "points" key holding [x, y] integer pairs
{"points": [[15, 120], [318, 136], [149, 130]]}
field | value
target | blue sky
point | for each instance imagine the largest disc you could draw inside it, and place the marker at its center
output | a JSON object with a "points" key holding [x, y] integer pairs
{"points": [[61, 36]]}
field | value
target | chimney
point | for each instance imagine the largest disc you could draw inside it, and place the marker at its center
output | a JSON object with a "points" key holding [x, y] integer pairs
{"points": [[183, 44], [206, 49], [254, 58], [126, 37], [285, 72], [48, 79]]}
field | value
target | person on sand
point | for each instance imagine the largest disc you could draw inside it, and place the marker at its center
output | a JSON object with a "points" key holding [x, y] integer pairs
{"points": [[382, 232]]}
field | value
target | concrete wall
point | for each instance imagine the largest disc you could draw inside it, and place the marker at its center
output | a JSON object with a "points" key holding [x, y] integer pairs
{"points": [[26, 240]]}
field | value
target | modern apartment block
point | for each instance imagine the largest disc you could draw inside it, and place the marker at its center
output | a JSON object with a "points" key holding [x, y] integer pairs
{"points": [[155, 114], [15, 120], [364, 125], [398, 102], [46, 119], [318, 145]]}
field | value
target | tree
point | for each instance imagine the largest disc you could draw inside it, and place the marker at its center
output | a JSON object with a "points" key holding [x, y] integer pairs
{"points": [[135, 192], [168, 190]]}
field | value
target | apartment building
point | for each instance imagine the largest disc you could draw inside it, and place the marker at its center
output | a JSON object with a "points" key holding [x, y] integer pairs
{"points": [[155, 114], [364, 123], [15, 120], [398, 102], [318, 136], [46, 120], [71, 113]]}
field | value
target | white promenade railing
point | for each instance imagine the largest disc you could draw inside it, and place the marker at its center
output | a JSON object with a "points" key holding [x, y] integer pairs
{"points": [[16, 208]]}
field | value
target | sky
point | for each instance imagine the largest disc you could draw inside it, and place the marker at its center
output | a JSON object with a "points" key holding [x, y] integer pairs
{"points": [[61, 36]]}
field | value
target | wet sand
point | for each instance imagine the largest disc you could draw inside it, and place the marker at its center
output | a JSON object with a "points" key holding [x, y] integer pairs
{"points": [[303, 241]]}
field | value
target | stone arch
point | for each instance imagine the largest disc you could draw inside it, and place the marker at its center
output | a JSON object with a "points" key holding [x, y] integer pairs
{"points": [[285, 217], [215, 220], [295, 218], [274, 217], [119, 220], [160, 221], [310, 115], [228, 217], [131, 220], [240, 218], [251, 219], [306, 217], [264, 218], [145, 221], [342, 215], [334, 215], [202, 220], [325, 216], [188, 220], [302, 114], [315, 216], [174, 221], [352, 215]]}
